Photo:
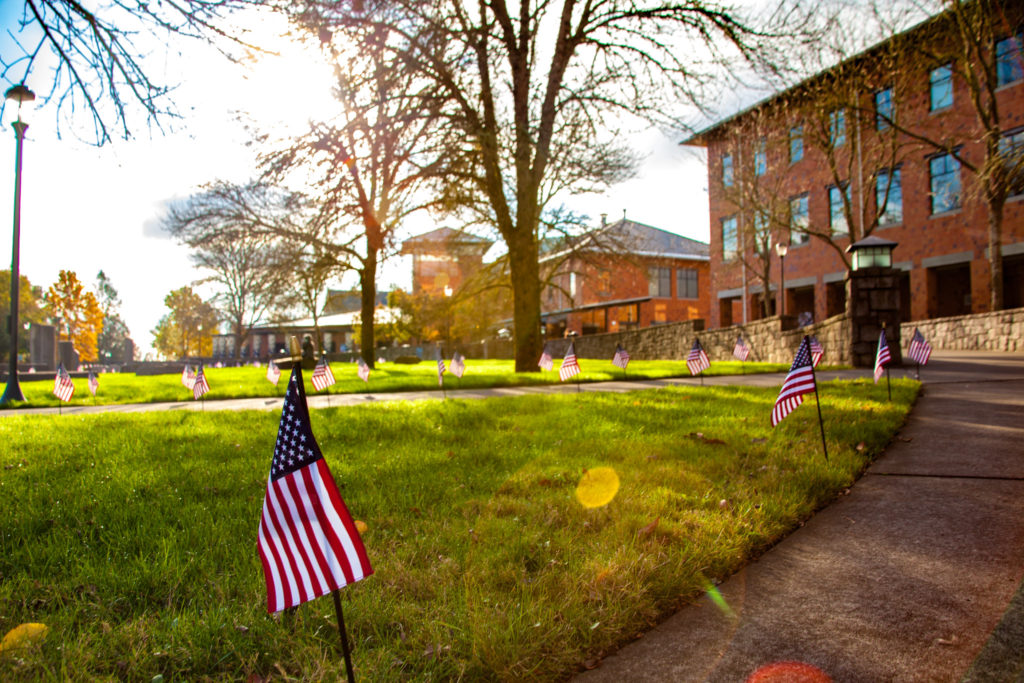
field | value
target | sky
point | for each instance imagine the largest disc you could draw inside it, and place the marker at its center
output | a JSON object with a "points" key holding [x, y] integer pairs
{"points": [[86, 208]]}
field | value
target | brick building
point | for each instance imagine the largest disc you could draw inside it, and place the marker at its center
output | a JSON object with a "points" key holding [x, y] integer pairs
{"points": [[882, 144], [624, 276], [444, 258]]}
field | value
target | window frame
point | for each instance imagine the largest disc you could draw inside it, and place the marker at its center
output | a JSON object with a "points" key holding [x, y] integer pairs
{"points": [[730, 254], [837, 127], [799, 237], [796, 137], [761, 157], [946, 82], [882, 118], [895, 190], [685, 279], [656, 277], [1015, 140], [1005, 59], [728, 171], [932, 177], [843, 188]]}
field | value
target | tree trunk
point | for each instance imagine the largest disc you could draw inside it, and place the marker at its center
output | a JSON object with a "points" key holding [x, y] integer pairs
{"points": [[368, 286], [995, 252], [525, 272]]}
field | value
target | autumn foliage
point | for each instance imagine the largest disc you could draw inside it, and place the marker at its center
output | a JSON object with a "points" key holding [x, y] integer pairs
{"points": [[79, 314]]}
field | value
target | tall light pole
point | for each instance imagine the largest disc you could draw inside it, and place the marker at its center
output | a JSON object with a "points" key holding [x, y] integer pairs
{"points": [[448, 291], [782, 249], [22, 96]]}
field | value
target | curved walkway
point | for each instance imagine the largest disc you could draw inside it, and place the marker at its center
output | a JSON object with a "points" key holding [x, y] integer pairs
{"points": [[908, 578]]}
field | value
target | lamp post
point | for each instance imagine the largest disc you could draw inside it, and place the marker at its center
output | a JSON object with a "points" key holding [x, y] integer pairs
{"points": [[448, 291], [782, 249], [22, 96]]}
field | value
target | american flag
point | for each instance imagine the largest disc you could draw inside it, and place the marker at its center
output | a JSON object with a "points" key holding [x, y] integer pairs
{"points": [[322, 376], [546, 361], [200, 387], [94, 382], [188, 376], [364, 369], [458, 365], [570, 367], [621, 357], [920, 350], [741, 351], [799, 381], [440, 370], [816, 351], [273, 372], [307, 541], [63, 387], [697, 361], [882, 358]]}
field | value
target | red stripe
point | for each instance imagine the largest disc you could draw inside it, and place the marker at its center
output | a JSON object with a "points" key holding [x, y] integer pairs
{"points": [[269, 571], [287, 536], [346, 518], [288, 574], [296, 537], [312, 498], [330, 533]]}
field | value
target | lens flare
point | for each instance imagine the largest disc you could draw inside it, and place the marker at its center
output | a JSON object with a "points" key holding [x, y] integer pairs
{"points": [[720, 603], [597, 487], [789, 672]]}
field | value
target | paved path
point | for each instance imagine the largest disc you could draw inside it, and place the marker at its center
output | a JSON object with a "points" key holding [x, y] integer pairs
{"points": [[905, 579]]}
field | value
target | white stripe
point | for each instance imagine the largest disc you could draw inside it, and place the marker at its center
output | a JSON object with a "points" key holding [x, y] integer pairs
{"points": [[284, 533], [275, 575], [318, 532], [300, 528], [282, 569], [335, 520]]}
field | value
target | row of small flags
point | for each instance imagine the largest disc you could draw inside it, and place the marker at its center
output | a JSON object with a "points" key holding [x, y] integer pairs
{"points": [[64, 388]]}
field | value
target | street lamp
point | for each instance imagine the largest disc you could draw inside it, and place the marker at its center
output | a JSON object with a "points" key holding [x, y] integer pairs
{"points": [[782, 249], [448, 291], [23, 96]]}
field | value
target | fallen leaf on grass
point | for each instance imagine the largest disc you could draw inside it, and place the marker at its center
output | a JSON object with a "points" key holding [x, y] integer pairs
{"points": [[361, 526], [646, 531], [861, 446], [22, 635]]}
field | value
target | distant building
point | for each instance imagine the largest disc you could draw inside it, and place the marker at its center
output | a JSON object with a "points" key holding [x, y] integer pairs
{"points": [[824, 157], [623, 276], [349, 301], [444, 258]]}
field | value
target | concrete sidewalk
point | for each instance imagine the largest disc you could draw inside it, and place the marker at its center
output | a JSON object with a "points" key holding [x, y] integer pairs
{"points": [[905, 579]]}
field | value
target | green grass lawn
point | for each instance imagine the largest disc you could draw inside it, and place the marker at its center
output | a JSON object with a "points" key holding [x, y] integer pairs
{"points": [[133, 537], [251, 382]]}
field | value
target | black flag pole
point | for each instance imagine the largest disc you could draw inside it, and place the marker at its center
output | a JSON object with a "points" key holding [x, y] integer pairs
{"points": [[344, 637], [817, 401]]}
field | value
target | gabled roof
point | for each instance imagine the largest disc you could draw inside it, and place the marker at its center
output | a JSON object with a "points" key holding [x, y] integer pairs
{"points": [[638, 239], [444, 238]]}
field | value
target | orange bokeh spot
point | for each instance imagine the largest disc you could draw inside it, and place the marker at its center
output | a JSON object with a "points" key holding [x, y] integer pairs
{"points": [[789, 672]]}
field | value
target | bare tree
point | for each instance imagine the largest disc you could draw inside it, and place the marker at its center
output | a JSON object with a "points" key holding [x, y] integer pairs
{"points": [[535, 89], [98, 55]]}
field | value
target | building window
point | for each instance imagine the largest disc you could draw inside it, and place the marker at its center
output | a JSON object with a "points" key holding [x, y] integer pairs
{"points": [[729, 244], [944, 171], [761, 158], [889, 197], [1009, 68], [796, 144], [686, 283], [659, 281], [762, 235], [837, 127], [940, 86], [1011, 147], [837, 209], [799, 220], [727, 170], [883, 109]]}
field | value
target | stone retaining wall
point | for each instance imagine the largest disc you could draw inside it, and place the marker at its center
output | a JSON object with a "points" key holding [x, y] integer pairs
{"points": [[773, 340], [999, 331]]}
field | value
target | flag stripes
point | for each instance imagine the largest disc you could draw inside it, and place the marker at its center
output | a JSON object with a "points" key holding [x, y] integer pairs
{"points": [[882, 358], [94, 383], [570, 366], [322, 376], [363, 369], [458, 365], [273, 372], [546, 361], [63, 387], [200, 387], [816, 351], [798, 382], [740, 351], [697, 360], [621, 357], [920, 350]]}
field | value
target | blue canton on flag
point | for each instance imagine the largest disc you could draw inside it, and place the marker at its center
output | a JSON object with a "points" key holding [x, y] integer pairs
{"points": [[882, 358]]}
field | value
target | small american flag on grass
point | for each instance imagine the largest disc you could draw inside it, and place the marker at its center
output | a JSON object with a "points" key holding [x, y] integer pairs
{"points": [[200, 387], [458, 365], [799, 381], [621, 357], [188, 376], [322, 376], [440, 370], [308, 542], [920, 350], [94, 382], [570, 366], [546, 361], [273, 372], [882, 358], [816, 351], [740, 351], [63, 387], [363, 369], [697, 360]]}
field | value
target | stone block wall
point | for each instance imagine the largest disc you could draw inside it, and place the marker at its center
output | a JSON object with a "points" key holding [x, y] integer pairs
{"points": [[773, 340], [874, 301], [998, 331]]}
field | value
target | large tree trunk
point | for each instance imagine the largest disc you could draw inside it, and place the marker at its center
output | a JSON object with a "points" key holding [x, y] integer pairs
{"points": [[995, 252], [368, 286], [525, 272]]}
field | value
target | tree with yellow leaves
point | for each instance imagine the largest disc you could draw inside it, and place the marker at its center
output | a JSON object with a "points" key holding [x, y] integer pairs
{"points": [[79, 313]]}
